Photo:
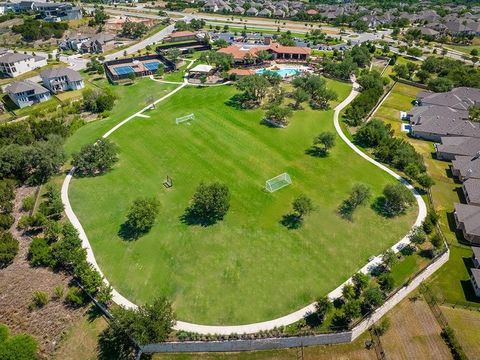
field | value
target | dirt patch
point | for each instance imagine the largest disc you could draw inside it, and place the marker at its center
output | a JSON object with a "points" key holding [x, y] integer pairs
{"points": [[414, 334], [19, 281]]}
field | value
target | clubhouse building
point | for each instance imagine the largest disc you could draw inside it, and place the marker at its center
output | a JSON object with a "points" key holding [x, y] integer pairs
{"points": [[245, 54]]}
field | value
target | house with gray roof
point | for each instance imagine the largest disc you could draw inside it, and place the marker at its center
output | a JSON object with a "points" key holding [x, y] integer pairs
{"points": [[471, 190], [61, 79], [440, 115], [15, 64], [26, 93], [252, 12], [265, 13], [460, 98], [451, 146], [467, 219], [466, 167], [475, 280]]}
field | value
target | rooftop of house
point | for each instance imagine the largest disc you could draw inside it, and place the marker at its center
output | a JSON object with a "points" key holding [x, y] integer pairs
{"points": [[443, 121], [476, 252], [177, 34], [476, 275], [460, 98], [469, 216], [459, 145], [472, 188], [468, 166], [14, 57], [17, 87], [240, 51], [53, 73]]}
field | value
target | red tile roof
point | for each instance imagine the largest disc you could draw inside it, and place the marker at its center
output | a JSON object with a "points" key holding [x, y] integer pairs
{"points": [[239, 53]]}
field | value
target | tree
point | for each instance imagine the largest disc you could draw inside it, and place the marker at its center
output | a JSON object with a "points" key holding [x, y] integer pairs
{"points": [[386, 282], [348, 292], [423, 76], [173, 54], [417, 235], [437, 241], [99, 16], [160, 70], [360, 282], [210, 203], [133, 30], [141, 216], [254, 88], [52, 206], [372, 298], [373, 133], [17, 347], [474, 52], [322, 307], [302, 205], [352, 310], [278, 115], [97, 100], [151, 323], [39, 253], [8, 248], [300, 96], [474, 113], [440, 84], [389, 258], [95, 159], [397, 199], [425, 181], [324, 142], [401, 71]]}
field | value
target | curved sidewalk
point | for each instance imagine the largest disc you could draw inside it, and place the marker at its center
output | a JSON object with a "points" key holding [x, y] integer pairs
{"points": [[261, 326]]}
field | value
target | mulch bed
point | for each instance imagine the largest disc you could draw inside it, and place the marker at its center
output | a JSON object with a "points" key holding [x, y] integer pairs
{"points": [[19, 281]]}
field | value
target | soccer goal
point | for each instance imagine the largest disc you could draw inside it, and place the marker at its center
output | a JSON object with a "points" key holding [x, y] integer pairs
{"points": [[278, 182], [185, 118]]}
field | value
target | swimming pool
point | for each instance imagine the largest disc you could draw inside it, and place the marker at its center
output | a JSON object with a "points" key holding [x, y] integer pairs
{"points": [[285, 72]]}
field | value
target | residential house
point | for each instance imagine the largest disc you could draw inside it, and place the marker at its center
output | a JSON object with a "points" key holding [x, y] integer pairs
{"points": [[467, 219], [98, 43], [56, 12], [61, 79], [75, 42], [14, 64], [6, 7], [466, 167], [444, 114], [252, 12], [475, 280], [180, 36], [451, 146], [26, 93], [471, 191]]}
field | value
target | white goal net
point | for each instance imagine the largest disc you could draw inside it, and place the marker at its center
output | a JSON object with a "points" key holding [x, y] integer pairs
{"points": [[185, 118], [278, 182]]}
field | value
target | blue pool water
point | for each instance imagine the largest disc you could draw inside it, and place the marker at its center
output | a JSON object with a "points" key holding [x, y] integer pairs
{"points": [[282, 72]]}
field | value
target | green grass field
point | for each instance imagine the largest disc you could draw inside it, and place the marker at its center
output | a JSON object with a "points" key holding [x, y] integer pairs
{"points": [[248, 267]]}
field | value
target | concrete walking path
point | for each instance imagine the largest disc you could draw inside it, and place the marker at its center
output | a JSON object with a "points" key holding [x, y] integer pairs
{"points": [[265, 325]]}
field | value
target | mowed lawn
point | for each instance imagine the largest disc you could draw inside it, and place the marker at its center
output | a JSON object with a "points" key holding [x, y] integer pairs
{"points": [[248, 267]]}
